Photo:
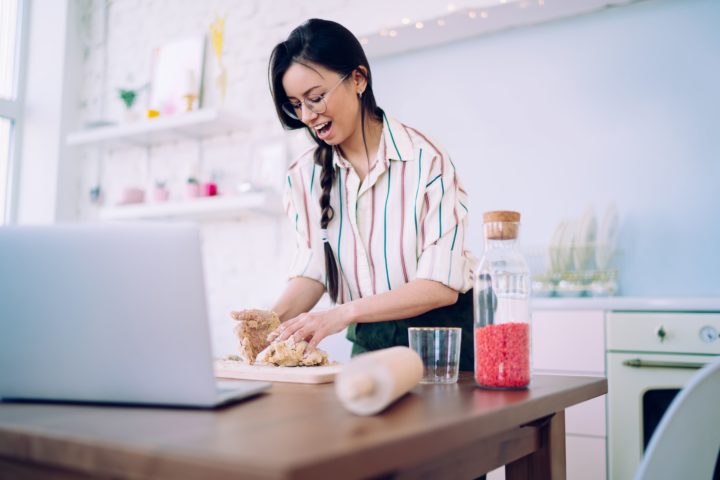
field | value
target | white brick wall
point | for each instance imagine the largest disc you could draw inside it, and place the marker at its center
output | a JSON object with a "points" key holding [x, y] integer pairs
{"points": [[245, 261]]}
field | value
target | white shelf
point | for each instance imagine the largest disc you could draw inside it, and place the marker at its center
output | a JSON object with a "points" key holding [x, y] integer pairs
{"points": [[205, 208], [147, 132]]}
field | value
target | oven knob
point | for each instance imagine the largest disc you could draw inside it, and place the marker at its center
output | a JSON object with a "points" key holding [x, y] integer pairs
{"points": [[708, 334], [661, 333]]}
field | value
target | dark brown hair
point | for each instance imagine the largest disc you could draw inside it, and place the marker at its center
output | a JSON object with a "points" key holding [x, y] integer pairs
{"points": [[334, 47]]}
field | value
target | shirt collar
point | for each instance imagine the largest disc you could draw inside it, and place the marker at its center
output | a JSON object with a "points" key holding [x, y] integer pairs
{"points": [[338, 160], [395, 141]]}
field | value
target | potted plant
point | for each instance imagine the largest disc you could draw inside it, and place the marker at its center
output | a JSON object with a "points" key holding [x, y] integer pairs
{"points": [[128, 97], [192, 188], [96, 195], [160, 192]]}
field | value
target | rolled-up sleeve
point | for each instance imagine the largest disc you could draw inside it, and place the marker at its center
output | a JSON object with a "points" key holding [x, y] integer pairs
{"points": [[444, 221], [309, 258]]}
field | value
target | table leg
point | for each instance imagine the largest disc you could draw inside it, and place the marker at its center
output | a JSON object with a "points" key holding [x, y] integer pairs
{"points": [[548, 462]]}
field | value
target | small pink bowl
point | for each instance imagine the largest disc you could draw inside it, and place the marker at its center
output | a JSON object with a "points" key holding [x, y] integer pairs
{"points": [[193, 190], [161, 195], [132, 195]]}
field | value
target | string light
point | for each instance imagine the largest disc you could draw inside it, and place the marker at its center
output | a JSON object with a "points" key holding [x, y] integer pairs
{"points": [[441, 22], [364, 41]]}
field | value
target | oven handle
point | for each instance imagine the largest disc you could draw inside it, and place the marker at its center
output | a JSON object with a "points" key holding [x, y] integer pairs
{"points": [[638, 363]]}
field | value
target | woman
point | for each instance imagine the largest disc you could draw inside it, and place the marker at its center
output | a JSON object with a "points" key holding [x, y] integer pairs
{"points": [[379, 212]]}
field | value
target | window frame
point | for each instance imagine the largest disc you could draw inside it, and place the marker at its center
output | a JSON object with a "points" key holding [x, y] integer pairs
{"points": [[14, 110]]}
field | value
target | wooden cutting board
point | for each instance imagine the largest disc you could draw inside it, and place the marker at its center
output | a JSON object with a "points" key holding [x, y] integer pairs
{"points": [[243, 371]]}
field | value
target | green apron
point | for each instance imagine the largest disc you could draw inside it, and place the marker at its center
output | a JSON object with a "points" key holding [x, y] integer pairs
{"points": [[367, 337]]}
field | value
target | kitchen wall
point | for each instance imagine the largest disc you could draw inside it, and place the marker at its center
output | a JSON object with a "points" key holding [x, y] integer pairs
{"points": [[619, 105]]}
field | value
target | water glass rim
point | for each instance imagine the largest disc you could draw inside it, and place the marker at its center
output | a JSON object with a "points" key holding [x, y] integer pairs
{"points": [[435, 328]]}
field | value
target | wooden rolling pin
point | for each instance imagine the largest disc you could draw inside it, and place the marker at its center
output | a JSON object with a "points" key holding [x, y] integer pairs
{"points": [[372, 381]]}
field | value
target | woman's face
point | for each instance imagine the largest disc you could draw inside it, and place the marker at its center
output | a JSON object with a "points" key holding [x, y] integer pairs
{"points": [[334, 98]]}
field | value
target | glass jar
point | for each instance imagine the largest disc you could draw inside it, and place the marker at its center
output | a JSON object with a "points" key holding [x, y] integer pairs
{"points": [[502, 306]]}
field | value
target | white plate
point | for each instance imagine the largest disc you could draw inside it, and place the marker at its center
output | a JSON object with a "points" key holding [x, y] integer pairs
{"points": [[554, 247], [584, 251], [607, 237], [567, 243]]}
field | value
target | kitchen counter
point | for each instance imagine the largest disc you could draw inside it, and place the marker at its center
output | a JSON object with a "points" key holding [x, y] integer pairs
{"points": [[302, 432], [640, 304]]}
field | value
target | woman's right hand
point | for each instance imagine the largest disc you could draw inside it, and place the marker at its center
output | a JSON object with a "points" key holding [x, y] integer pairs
{"points": [[315, 326]]}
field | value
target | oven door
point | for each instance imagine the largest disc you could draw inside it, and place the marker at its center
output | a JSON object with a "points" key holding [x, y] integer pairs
{"points": [[640, 389]]}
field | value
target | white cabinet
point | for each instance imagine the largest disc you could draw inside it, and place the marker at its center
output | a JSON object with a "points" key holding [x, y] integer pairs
{"points": [[587, 418], [585, 458], [569, 341], [572, 342]]}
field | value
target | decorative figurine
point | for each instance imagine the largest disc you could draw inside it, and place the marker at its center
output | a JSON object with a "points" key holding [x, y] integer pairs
{"points": [[217, 35], [210, 189]]}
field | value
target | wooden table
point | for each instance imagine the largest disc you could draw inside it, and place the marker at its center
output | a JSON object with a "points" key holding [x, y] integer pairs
{"points": [[302, 432]]}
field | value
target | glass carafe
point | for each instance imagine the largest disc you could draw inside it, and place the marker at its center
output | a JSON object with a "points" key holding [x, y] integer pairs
{"points": [[502, 306]]}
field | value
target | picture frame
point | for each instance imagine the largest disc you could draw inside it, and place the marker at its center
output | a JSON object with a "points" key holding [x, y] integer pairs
{"points": [[177, 76]]}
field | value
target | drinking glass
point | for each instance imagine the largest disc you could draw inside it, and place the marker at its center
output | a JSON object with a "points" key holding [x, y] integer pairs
{"points": [[439, 349]]}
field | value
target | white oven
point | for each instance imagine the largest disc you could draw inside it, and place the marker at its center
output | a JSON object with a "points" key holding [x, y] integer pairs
{"points": [[650, 356]]}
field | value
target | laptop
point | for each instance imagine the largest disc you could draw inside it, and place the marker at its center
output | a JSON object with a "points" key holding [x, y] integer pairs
{"points": [[108, 314]]}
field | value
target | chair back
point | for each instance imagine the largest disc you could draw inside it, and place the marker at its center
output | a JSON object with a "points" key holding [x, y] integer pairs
{"points": [[686, 443]]}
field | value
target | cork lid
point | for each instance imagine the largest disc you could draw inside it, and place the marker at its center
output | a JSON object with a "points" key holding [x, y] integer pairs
{"points": [[501, 216], [501, 225]]}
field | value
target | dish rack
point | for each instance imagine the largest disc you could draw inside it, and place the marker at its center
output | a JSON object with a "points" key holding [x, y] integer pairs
{"points": [[585, 270]]}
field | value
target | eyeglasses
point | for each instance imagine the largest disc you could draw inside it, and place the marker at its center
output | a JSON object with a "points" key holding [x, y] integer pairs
{"points": [[314, 103]]}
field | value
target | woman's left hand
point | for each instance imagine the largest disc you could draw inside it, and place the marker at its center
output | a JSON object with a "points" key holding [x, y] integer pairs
{"points": [[314, 326]]}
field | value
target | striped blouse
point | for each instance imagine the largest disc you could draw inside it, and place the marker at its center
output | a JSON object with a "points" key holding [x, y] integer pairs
{"points": [[407, 219]]}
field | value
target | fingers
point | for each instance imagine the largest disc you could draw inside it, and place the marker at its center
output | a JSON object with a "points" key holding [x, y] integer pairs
{"points": [[281, 334], [273, 335], [303, 327], [288, 328], [317, 337]]}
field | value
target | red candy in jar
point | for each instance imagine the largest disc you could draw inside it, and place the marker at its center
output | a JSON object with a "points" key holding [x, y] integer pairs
{"points": [[502, 355], [501, 297]]}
